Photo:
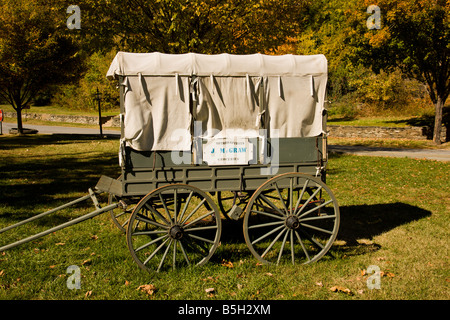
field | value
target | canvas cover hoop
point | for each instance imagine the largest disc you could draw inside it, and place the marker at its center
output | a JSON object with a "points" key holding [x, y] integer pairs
{"points": [[226, 94]]}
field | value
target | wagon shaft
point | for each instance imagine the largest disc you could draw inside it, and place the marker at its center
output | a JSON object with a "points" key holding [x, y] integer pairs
{"points": [[90, 215]]}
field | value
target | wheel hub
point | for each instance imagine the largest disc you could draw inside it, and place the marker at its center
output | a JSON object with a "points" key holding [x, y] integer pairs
{"points": [[176, 232], [292, 222]]}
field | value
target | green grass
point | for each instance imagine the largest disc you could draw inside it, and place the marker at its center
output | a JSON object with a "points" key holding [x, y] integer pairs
{"points": [[394, 214], [389, 121]]}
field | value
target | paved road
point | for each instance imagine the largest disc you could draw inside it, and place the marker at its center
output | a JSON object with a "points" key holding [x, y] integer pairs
{"points": [[60, 130], [440, 155]]}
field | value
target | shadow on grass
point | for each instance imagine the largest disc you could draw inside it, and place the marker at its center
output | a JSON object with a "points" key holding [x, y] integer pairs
{"points": [[357, 222], [40, 178], [364, 222]]}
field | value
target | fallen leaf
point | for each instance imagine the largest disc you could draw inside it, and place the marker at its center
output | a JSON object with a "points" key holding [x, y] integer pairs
{"points": [[227, 264], [86, 262], [386, 274], [210, 292], [60, 243], [320, 284], [269, 274], [341, 289], [127, 282], [2, 272], [51, 267], [147, 288], [94, 237], [88, 294]]}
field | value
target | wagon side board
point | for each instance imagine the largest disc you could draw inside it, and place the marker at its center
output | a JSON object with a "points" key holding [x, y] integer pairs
{"points": [[143, 172]]}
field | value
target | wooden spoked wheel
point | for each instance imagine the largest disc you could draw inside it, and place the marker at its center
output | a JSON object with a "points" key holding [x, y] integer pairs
{"points": [[173, 226], [293, 218]]}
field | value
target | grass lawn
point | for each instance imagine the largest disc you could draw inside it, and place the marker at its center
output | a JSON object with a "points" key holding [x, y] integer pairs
{"points": [[394, 214]]}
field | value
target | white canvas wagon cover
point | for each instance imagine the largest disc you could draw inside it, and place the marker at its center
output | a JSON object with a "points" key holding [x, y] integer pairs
{"points": [[228, 94]]}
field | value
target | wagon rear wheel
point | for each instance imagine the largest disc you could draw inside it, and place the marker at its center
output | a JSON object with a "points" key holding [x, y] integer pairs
{"points": [[175, 225], [293, 218], [120, 215]]}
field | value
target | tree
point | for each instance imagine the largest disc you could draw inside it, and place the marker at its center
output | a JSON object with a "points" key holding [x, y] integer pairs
{"points": [[35, 51], [415, 36], [180, 26]]}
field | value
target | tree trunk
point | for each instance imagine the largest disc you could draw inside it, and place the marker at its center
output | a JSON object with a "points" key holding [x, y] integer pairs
{"points": [[438, 121], [19, 120]]}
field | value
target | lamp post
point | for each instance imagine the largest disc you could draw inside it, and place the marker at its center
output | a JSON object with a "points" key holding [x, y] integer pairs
{"points": [[98, 97]]}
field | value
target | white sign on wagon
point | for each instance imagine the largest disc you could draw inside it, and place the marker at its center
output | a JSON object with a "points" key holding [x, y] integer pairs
{"points": [[227, 151]]}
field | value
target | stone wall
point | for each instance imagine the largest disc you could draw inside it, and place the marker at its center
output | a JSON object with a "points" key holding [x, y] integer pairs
{"points": [[412, 133], [109, 121], [415, 133]]}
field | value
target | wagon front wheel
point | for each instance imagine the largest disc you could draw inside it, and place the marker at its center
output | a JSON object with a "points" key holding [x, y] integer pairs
{"points": [[175, 225], [292, 218]]}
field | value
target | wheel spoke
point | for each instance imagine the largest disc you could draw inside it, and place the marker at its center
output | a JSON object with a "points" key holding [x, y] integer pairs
{"points": [[199, 218], [194, 211], [267, 234], [300, 197], [186, 205], [316, 228], [273, 242], [165, 208], [315, 208], [292, 246], [291, 194], [174, 254], [317, 218], [282, 247], [147, 233], [303, 246], [270, 203], [310, 238], [309, 200], [150, 243], [265, 224], [164, 255], [200, 238], [201, 228], [175, 205], [142, 218], [154, 252], [281, 198], [155, 212], [184, 254]]}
